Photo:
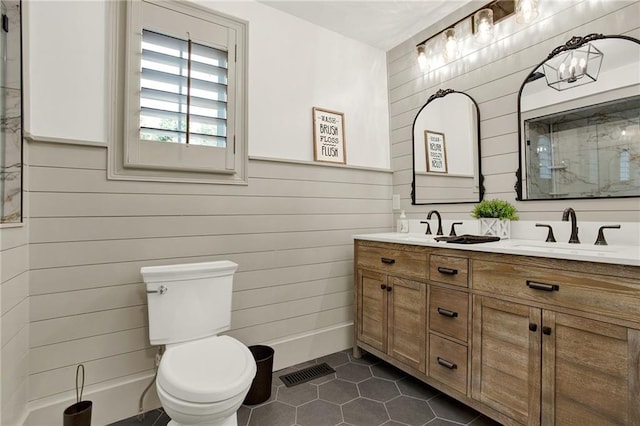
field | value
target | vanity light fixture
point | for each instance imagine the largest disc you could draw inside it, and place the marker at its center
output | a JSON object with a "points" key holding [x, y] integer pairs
{"points": [[480, 23], [483, 25], [526, 11], [574, 68]]}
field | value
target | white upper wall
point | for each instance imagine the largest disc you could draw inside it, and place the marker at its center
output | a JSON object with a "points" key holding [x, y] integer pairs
{"points": [[293, 66]]}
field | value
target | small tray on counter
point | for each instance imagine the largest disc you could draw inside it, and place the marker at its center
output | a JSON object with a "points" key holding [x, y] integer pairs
{"points": [[468, 239]]}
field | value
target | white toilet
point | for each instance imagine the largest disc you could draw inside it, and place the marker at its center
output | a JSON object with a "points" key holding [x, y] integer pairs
{"points": [[202, 378]]}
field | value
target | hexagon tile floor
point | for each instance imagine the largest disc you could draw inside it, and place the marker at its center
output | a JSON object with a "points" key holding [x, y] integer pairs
{"points": [[362, 392]]}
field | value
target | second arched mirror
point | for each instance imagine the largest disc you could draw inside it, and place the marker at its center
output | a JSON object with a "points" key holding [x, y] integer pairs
{"points": [[446, 150]]}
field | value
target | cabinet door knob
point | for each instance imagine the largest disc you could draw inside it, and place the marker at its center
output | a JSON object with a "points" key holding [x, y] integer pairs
{"points": [[443, 362], [546, 330], [447, 313], [533, 327], [388, 260], [382, 286], [388, 288], [447, 271]]}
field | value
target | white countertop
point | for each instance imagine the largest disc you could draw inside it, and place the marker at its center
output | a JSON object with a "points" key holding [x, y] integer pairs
{"points": [[614, 254]]}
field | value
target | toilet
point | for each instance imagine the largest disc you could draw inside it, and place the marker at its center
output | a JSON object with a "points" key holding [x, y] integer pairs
{"points": [[202, 377]]}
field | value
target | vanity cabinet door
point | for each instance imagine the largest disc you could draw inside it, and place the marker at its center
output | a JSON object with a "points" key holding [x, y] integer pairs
{"points": [[590, 372], [506, 358], [407, 322], [372, 308]]}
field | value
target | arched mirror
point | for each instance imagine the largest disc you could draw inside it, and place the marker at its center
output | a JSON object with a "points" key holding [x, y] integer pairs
{"points": [[579, 121], [446, 150]]}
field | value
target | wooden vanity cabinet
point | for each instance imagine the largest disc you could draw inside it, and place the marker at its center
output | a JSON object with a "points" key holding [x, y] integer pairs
{"points": [[391, 312], [565, 353], [401, 314], [524, 340]]}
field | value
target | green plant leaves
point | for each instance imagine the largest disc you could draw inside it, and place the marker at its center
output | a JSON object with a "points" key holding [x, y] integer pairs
{"points": [[495, 208]]}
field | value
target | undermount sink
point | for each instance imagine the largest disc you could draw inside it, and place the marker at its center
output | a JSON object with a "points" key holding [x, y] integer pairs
{"points": [[566, 248], [415, 237]]}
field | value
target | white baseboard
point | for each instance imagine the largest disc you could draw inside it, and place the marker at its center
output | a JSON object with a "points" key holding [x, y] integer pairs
{"points": [[118, 399], [304, 347]]}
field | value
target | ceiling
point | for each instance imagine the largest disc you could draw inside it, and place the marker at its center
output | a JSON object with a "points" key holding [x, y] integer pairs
{"points": [[381, 24]]}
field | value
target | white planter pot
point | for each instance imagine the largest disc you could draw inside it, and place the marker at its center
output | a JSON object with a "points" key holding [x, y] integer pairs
{"points": [[495, 227]]}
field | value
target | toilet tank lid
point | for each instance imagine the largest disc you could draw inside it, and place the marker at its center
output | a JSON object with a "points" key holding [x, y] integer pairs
{"points": [[187, 271]]}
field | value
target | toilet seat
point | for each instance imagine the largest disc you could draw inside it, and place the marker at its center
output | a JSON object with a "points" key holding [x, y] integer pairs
{"points": [[206, 370]]}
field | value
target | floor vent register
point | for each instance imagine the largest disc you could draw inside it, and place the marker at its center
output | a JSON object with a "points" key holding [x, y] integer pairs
{"points": [[306, 374]]}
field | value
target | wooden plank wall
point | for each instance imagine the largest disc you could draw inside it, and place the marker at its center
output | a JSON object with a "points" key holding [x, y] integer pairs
{"points": [[14, 323], [492, 76], [289, 230]]}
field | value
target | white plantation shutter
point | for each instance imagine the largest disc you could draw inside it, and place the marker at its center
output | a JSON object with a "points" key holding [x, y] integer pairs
{"points": [[185, 89], [176, 92]]}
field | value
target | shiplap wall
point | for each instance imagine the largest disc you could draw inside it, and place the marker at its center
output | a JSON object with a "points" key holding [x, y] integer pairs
{"points": [[289, 230], [492, 76], [14, 321]]}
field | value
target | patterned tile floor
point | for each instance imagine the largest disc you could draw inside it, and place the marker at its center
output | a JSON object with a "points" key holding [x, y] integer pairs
{"points": [[362, 392]]}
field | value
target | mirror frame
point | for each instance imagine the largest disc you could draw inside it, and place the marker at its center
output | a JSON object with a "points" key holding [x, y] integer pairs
{"points": [[574, 43], [441, 93]]}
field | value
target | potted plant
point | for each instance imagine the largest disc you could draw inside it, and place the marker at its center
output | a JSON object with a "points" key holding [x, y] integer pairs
{"points": [[494, 217]]}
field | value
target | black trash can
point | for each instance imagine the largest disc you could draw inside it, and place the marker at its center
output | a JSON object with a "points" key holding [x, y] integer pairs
{"points": [[260, 389]]}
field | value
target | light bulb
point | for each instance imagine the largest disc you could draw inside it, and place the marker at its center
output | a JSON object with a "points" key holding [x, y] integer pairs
{"points": [[483, 25], [451, 45], [526, 11], [422, 58], [583, 65], [561, 70]]}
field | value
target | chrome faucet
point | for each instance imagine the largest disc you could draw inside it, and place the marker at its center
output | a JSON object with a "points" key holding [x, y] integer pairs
{"points": [[439, 232], [570, 213]]}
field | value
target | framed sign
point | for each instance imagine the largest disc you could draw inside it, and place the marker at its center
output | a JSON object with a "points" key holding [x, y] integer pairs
{"points": [[328, 136], [436, 152]]}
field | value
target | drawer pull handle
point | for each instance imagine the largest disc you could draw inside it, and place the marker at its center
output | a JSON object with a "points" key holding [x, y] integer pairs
{"points": [[541, 286], [447, 271], [443, 362], [447, 313], [388, 261]]}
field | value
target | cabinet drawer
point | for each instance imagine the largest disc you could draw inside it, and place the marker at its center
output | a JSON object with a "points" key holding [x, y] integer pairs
{"points": [[449, 269], [397, 262], [448, 363], [602, 294], [448, 312]]}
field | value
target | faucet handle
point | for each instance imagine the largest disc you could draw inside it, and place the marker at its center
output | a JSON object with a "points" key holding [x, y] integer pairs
{"points": [[452, 233], [601, 241], [428, 231], [550, 237]]}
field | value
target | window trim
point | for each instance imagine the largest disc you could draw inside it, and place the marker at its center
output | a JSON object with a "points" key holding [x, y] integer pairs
{"points": [[123, 126]]}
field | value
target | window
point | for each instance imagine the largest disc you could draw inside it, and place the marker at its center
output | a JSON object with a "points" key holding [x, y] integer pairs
{"points": [[184, 94], [183, 91]]}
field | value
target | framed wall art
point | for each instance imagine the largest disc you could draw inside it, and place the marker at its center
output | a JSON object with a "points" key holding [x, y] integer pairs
{"points": [[328, 136], [436, 150]]}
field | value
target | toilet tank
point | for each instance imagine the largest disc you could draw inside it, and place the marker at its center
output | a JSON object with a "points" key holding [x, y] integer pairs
{"points": [[195, 301]]}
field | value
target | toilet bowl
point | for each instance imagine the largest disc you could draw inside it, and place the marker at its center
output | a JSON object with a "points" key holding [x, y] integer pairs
{"points": [[202, 377]]}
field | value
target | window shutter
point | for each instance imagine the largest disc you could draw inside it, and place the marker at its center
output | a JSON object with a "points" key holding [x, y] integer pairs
{"points": [[177, 92]]}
